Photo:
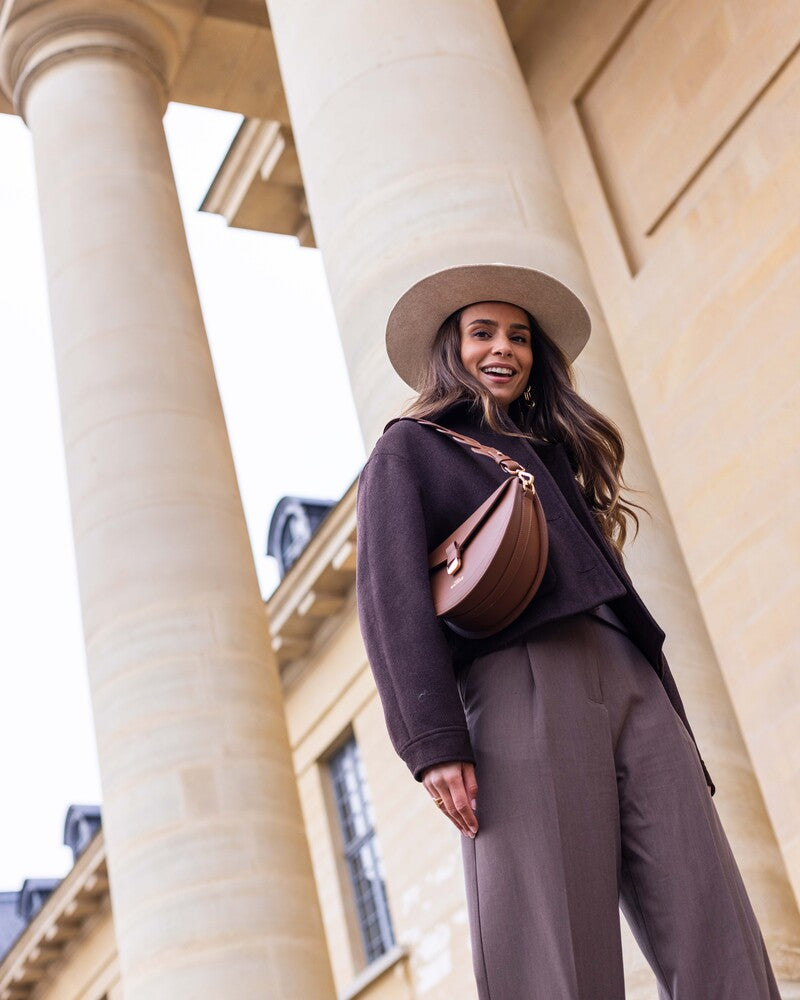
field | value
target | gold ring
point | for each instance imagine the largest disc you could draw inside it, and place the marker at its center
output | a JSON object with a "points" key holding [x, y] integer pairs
{"points": [[438, 803]]}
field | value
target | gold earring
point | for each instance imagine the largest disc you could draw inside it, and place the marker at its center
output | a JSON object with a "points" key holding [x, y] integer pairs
{"points": [[528, 395]]}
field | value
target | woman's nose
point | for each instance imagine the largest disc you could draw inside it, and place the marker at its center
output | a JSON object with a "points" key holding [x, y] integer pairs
{"points": [[499, 348]]}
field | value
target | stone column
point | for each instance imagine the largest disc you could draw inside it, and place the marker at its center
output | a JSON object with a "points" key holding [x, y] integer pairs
{"points": [[420, 149], [211, 882]]}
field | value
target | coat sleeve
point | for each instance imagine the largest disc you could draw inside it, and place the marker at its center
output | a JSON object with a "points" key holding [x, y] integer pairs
{"points": [[408, 653], [677, 703]]}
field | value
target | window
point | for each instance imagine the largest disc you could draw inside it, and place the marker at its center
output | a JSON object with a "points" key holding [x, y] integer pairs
{"points": [[361, 850]]}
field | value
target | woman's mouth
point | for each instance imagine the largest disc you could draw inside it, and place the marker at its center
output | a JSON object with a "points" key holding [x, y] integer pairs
{"points": [[499, 373]]}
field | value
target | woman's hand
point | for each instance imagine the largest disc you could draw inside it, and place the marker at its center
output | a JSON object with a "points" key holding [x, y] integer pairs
{"points": [[454, 783]]}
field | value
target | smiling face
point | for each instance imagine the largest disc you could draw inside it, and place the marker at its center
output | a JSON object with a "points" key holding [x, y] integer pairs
{"points": [[496, 348]]}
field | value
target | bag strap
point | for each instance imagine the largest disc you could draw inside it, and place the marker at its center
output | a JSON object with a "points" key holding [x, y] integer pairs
{"points": [[507, 464]]}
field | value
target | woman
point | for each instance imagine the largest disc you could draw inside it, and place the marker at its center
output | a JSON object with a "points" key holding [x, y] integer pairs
{"points": [[558, 747]]}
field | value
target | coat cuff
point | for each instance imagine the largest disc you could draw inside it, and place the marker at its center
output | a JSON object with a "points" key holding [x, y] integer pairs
{"points": [[439, 747]]}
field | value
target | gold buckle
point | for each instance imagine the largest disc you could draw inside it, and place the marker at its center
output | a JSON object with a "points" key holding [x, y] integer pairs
{"points": [[526, 478]]}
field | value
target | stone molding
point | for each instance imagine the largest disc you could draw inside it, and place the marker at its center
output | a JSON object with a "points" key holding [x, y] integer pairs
{"points": [[258, 147], [316, 591], [80, 896], [57, 30]]}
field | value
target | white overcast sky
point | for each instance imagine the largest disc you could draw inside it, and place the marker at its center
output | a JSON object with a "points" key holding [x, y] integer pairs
{"points": [[293, 431]]}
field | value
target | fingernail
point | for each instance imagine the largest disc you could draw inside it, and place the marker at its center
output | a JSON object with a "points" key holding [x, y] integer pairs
{"points": [[473, 803]]}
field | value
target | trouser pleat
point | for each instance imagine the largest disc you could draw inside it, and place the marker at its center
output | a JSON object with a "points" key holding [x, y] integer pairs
{"points": [[536, 878]]}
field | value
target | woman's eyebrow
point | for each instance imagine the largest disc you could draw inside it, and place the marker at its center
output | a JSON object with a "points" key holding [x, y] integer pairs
{"points": [[492, 322]]}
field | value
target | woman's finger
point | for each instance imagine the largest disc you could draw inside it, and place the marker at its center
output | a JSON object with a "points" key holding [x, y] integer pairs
{"points": [[438, 781], [470, 786], [470, 783], [457, 800], [450, 810], [461, 803], [453, 787]]}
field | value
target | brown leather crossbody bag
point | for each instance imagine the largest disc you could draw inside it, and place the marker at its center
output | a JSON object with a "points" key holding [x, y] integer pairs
{"points": [[486, 572]]}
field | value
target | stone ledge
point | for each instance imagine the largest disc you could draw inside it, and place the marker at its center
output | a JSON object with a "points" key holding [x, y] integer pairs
{"points": [[79, 896], [316, 588], [374, 971]]}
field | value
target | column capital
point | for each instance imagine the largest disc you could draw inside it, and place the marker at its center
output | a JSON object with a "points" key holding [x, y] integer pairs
{"points": [[55, 30]]}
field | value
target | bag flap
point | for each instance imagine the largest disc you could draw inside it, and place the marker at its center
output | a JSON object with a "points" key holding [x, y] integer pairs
{"points": [[466, 530]]}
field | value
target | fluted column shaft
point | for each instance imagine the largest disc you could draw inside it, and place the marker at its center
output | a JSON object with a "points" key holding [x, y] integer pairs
{"points": [[211, 882], [420, 149]]}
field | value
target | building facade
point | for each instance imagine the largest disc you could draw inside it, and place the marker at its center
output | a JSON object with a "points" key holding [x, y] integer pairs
{"points": [[262, 839]]}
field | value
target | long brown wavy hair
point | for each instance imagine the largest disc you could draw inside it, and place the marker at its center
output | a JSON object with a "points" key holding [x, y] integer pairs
{"points": [[557, 415]]}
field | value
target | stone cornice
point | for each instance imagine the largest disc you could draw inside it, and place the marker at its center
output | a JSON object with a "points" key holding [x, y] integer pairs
{"points": [[259, 185], [315, 591], [55, 30], [80, 895], [255, 149]]}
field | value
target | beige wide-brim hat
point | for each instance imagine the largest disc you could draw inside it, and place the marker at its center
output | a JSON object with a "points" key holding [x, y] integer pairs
{"points": [[419, 312]]}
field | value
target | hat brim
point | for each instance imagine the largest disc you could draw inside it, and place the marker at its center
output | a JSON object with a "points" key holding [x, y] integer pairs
{"points": [[419, 312]]}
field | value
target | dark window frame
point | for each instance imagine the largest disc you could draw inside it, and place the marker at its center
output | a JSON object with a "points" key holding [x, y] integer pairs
{"points": [[360, 848]]}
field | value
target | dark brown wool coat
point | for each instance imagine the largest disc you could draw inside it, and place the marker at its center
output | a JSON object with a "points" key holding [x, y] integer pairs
{"points": [[415, 488]]}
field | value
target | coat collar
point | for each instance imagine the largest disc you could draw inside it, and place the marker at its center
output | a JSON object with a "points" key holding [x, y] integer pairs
{"points": [[464, 412]]}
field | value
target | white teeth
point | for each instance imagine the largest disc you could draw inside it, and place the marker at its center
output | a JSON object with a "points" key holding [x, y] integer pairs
{"points": [[496, 370]]}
